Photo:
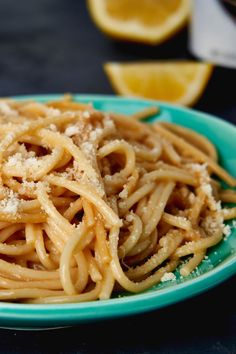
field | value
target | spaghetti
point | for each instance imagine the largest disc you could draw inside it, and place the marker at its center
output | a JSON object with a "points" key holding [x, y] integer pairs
{"points": [[92, 203]]}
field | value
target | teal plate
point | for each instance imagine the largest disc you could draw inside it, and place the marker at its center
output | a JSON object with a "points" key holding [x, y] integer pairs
{"points": [[219, 265]]}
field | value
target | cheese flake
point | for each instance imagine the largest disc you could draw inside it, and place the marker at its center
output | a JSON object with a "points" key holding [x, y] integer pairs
{"points": [[168, 277], [10, 204]]}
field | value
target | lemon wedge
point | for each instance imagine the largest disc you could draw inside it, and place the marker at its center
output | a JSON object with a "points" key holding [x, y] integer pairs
{"points": [[147, 21], [178, 82]]}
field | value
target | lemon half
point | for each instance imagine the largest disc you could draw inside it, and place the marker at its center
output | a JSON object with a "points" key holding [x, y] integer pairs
{"points": [[148, 21]]}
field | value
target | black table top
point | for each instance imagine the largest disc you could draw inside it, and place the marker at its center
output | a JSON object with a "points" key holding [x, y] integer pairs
{"points": [[51, 46]]}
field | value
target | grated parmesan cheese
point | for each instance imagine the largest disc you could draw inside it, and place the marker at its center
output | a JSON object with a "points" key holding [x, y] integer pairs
{"points": [[207, 189], [191, 198], [53, 112], [205, 186], [87, 148], [129, 218], [72, 130], [226, 230], [226, 211], [108, 123], [212, 224], [53, 127], [95, 134], [107, 178], [10, 204], [5, 109], [197, 167], [30, 162], [25, 186], [86, 114], [168, 277]]}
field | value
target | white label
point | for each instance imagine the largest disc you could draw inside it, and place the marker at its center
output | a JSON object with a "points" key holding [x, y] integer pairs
{"points": [[213, 31]]}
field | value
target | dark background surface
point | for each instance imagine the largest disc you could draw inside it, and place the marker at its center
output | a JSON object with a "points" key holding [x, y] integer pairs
{"points": [[51, 46]]}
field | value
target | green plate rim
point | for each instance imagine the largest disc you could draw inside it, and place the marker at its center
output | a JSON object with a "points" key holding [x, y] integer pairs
{"points": [[40, 316]]}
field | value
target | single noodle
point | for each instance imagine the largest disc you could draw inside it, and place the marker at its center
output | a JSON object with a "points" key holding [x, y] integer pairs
{"points": [[94, 203]]}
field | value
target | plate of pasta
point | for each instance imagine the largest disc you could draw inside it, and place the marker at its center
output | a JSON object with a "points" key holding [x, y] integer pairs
{"points": [[110, 206]]}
